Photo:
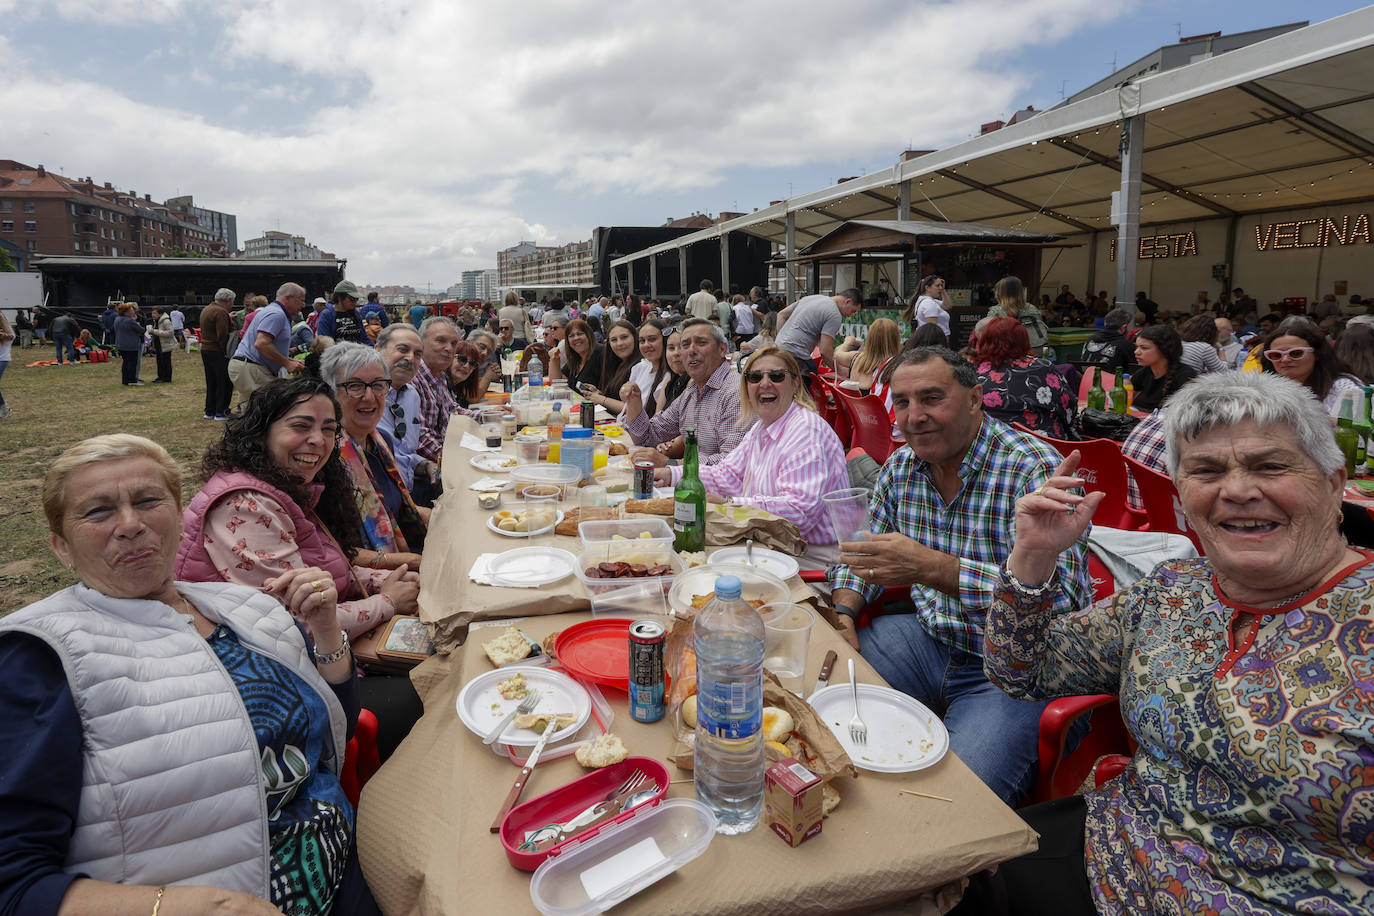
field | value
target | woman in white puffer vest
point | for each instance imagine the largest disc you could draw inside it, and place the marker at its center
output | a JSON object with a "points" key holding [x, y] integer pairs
{"points": [[170, 746]]}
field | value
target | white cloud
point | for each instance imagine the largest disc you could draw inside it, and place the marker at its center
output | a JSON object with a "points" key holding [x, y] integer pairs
{"points": [[453, 114]]}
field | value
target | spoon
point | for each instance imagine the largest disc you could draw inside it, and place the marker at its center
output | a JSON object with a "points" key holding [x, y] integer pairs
{"points": [[638, 798]]}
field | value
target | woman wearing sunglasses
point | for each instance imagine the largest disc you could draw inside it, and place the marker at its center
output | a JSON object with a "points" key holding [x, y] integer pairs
{"points": [[786, 460], [464, 381], [1297, 349]]}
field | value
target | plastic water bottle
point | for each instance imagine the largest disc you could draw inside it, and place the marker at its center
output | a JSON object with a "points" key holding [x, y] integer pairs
{"points": [[728, 758], [536, 369]]}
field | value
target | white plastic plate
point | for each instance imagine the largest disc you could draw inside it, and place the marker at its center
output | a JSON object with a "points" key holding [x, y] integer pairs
{"points": [[903, 734], [480, 705], [531, 566], [491, 523], [770, 561], [493, 463]]}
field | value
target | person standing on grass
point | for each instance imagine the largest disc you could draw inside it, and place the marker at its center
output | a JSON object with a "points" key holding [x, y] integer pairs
{"points": [[107, 320], [23, 323], [214, 337], [179, 325], [128, 339], [6, 344], [164, 342], [266, 343], [64, 331]]}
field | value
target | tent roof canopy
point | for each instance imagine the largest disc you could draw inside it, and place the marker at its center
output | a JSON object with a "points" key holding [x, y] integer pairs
{"points": [[872, 236], [1283, 123]]}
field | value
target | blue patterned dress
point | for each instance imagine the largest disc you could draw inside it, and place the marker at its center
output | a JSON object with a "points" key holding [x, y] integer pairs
{"points": [[1253, 787]]}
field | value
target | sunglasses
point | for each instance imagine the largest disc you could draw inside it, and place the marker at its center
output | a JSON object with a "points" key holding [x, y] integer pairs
{"points": [[398, 420], [465, 361], [776, 376], [355, 389], [1295, 353]]}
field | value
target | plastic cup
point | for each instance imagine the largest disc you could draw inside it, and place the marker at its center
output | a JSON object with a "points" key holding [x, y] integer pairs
{"points": [[541, 503], [849, 512], [601, 451], [787, 631], [527, 448], [491, 427]]}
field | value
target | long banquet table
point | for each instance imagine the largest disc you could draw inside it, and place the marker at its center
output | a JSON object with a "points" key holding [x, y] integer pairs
{"points": [[423, 820]]}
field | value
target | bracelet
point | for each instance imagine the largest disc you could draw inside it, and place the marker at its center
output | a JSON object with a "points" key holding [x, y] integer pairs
{"points": [[1026, 592], [332, 657], [157, 901], [377, 560]]}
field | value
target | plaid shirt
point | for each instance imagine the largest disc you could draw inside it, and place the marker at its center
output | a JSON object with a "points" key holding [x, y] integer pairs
{"points": [[714, 414], [1146, 445], [436, 404], [977, 527]]}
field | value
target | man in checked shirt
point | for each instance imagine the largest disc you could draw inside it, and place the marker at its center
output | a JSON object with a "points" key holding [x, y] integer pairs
{"points": [[710, 405], [943, 513]]}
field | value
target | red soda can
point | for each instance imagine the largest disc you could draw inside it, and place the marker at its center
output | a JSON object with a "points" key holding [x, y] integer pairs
{"points": [[647, 638]]}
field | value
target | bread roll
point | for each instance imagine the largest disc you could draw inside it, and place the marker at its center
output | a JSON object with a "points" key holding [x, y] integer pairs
{"points": [[602, 752]]}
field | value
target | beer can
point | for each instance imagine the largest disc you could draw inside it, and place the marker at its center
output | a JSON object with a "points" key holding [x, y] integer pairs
{"points": [[644, 480], [588, 415], [647, 638]]}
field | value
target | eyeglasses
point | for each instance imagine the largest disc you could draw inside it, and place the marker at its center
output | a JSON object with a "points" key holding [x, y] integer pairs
{"points": [[776, 376], [1294, 353], [398, 420], [465, 361], [355, 388]]}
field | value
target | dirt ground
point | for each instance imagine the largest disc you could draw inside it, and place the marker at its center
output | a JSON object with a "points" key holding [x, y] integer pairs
{"points": [[53, 408]]}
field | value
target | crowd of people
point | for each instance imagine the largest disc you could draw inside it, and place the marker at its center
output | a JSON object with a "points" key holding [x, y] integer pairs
{"points": [[1242, 675]]}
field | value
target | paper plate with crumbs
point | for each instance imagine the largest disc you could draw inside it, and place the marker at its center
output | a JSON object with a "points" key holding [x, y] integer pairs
{"points": [[903, 734], [482, 704]]}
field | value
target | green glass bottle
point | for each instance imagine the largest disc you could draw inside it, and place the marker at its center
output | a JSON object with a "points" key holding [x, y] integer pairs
{"points": [[1362, 426], [1097, 397], [1117, 396], [689, 502], [1346, 436]]}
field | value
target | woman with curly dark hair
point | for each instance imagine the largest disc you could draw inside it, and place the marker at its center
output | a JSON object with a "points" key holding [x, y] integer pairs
{"points": [[277, 496], [1159, 351], [1355, 347], [1199, 335], [1299, 350]]}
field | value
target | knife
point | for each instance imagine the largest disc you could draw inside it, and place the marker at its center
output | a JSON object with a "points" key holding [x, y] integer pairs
{"points": [[826, 666], [524, 776]]}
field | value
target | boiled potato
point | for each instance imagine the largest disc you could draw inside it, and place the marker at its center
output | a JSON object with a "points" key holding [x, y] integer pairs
{"points": [[689, 711]]}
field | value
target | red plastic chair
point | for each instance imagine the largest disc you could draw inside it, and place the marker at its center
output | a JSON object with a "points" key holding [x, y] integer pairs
{"points": [[1086, 382], [361, 759], [816, 387], [838, 419], [1059, 775], [1163, 511], [871, 429], [1104, 469]]}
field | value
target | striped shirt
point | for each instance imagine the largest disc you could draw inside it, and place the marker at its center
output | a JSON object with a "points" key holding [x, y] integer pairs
{"points": [[784, 468], [436, 404], [712, 412], [977, 526]]}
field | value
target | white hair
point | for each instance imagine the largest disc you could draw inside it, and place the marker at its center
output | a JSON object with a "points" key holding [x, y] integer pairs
{"points": [[345, 359], [1226, 399]]}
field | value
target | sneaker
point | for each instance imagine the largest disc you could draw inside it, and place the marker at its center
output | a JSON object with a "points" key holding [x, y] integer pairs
{"points": [[221, 418], [206, 416], [4, 411], [139, 384]]}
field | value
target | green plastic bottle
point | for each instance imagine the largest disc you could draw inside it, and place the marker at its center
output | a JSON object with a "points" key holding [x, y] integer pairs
{"points": [[689, 502], [1362, 426], [1097, 396]]}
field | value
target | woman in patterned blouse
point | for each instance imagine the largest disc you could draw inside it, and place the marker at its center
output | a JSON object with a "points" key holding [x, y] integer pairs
{"points": [[1019, 387], [1245, 677]]}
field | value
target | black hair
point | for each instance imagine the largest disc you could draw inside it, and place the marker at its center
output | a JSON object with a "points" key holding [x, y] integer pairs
{"points": [[963, 370], [244, 448]]}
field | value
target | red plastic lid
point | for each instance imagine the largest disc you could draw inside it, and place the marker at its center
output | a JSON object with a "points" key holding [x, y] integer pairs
{"points": [[597, 651]]}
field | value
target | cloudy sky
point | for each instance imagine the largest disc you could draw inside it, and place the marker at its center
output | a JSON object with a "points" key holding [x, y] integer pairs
{"points": [[418, 137]]}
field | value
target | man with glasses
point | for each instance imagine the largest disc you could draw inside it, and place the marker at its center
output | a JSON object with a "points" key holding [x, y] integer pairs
{"points": [[710, 404], [438, 341], [508, 340], [266, 343], [341, 319], [401, 347]]}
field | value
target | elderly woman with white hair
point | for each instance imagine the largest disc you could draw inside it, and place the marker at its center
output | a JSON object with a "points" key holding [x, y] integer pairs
{"points": [[1244, 677], [392, 524]]}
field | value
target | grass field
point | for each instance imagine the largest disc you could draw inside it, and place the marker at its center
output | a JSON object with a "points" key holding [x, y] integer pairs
{"points": [[54, 407]]}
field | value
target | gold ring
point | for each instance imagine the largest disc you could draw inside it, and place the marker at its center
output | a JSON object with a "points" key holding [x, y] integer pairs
{"points": [[318, 586]]}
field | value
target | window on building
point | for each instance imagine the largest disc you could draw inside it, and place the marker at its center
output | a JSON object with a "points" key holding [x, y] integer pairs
{"points": [[28, 206], [6, 225], [6, 206], [76, 246], [32, 245], [30, 225]]}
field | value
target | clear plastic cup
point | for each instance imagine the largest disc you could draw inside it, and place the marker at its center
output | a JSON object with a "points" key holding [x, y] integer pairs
{"points": [[540, 511], [491, 427], [787, 633], [849, 512], [527, 448], [601, 451]]}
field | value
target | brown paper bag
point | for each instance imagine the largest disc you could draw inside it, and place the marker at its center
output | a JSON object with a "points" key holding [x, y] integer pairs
{"points": [[726, 525]]}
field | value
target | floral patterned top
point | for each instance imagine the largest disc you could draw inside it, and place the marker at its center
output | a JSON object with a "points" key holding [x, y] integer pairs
{"points": [[1253, 787], [1029, 391], [248, 537]]}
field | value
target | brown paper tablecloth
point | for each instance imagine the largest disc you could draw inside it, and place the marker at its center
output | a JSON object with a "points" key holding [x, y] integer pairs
{"points": [[458, 534], [425, 846]]}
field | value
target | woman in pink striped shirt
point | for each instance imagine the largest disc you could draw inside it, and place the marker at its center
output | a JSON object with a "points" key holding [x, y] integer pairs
{"points": [[786, 460]]}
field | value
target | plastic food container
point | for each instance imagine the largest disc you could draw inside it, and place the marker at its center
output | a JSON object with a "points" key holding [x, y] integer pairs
{"points": [[564, 802], [701, 580], [614, 552], [622, 861], [545, 472], [632, 529], [577, 450]]}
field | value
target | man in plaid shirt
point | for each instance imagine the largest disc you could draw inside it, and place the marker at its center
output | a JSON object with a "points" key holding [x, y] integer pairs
{"points": [[439, 338], [1146, 445], [943, 513]]}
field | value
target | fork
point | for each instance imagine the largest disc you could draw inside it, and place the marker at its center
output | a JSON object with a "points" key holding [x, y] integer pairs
{"points": [[526, 706], [553, 834], [858, 731]]}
